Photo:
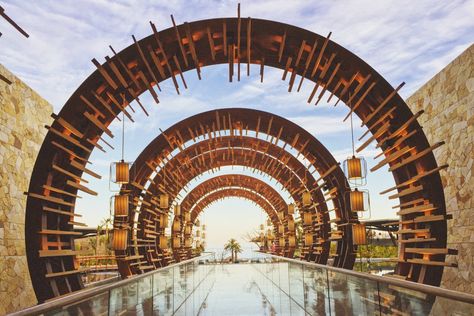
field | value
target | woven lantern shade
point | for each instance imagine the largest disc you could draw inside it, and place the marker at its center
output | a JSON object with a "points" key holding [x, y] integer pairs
{"points": [[203, 244], [163, 200], [164, 221], [187, 216], [262, 227], [187, 230], [122, 173], [291, 241], [357, 201], [281, 242], [355, 169], [281, 229], [176, 242], [291, 224], [308, 239], [359, 235], [307, 218], [163, 242], [262, 236], [270, 234], [177, 210], [291, 208], [280, 215], [203, 227], [198, 233], [120, 205], [187, 242], [203, 235], [176, 226], [306, 198], [198, 244], [197, 222], [119, 241]]}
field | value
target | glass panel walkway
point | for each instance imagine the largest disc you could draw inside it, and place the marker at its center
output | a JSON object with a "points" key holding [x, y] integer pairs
{"points": [[276, 286]]}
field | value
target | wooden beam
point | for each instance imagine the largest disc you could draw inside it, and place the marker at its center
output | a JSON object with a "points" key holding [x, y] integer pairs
{"points": [[416, 156], [180, 43], [282, 47], [321, 52], [384, 102], [104, 74]]}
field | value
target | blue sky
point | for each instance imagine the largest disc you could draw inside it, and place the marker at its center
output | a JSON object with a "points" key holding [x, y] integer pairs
{"points": [[403, 40]]}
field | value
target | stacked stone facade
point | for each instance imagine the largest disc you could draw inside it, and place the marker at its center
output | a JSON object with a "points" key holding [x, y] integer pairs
{"points": [[448, 102], [23, 115]]}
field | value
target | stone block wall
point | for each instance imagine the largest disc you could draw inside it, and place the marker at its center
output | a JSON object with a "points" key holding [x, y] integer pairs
{"points": [[448, 101], [23, 114]]}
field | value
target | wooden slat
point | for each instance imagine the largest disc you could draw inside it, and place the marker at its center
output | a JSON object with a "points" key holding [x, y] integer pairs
{"points": [[431, 251], [68, 138], [58, 253], [105, 74], [67, 125], [416, 240], [51, 188], [79, 166], [402, 128], [62, 212], [417, 209], [98, 123], [432, 263], [282, 47], [392, 157], [49, 199], [70, 174], [68, 151], [384, 102], [180, 43], [415, 157], [321, 53], [80, 187], [58, 232], [406, 192]]}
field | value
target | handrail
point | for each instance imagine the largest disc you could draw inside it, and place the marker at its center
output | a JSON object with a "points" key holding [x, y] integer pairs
{"points": [[428, 289], [91, 292]]}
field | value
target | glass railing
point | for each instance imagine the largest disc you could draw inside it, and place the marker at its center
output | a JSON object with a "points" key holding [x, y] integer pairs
{"points": [[166, 291], [324, 290]]}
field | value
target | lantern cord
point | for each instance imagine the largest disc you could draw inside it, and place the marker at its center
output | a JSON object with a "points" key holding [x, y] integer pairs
{"points": [[123, 134], [352, 127]]}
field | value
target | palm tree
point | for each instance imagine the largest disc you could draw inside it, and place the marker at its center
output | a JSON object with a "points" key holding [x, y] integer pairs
{"points": [[234, 247]]}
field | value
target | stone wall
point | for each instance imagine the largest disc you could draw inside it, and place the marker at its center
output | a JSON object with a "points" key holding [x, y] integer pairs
{"points": [[448, 101], [23, 115]]}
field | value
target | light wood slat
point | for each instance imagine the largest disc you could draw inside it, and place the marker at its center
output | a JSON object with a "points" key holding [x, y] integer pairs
{"points": [[211, 44], [150, 89], [361, 99], [99, 124], [62, 212], [384, 102], [79, 166], [58, 232], [69, 174], [402, 128], [406, 192], [64, 273], [432, 263], [51, 188], [49, 199], [80, 187], [413, 202], [416, 178], [333, 74], [392, 157], [68, 138], [67, 125], [417, 209], [192, 49], [321, 52], [397, 143], [329, 171], [92, 107], [415, 157], [416, 240], [180, 43], [224, 37], [68, 151], [282, 47], [249, 43], [105, 74], [116, 72], [156, 61], [143, 59], [60, 253], [77, 223], [378, 121], [378, 133], [413, 231], [306, 66], [180, 71], [431, 251]]}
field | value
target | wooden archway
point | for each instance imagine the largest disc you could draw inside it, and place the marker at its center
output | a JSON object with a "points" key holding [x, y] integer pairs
{"points": [[302, 55]]}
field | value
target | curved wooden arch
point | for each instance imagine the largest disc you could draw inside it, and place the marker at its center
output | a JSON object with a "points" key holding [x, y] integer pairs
{"points": [[333, 70]]}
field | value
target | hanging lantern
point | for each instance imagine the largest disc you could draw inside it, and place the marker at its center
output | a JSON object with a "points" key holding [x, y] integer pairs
{"points": [[187, 230], [163, 242], [176, 225], [307, 218], [198, 233], [291, 224], [308, 239], [122, 173], [306, 198], [163, 221], [203, 245], [177, 210], [357, 200], [163, 200], [269, 222], [187, 242], [281, 242], [359, 235], [291, 208], [203, 227], [291, 241], [281, 229], [176, 242], [262, 236], [262, 227], [355, 169], [119, 241], [197, 222], [198, 244], [120, 205], [187, 216], [203, 235]]}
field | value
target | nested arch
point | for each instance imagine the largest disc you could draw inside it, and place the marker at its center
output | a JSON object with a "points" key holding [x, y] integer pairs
{"points": [[301, 54]]}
